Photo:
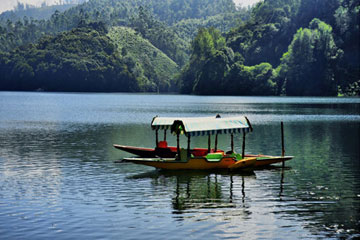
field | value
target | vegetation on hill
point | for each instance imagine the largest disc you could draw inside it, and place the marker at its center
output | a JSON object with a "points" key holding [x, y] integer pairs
{"points": [[308, 67], [163, 50], [153, 69], [152, 18], [160, 35], [278, 47], [214, 69], [188, 28], [295, 47], [83, 59]]}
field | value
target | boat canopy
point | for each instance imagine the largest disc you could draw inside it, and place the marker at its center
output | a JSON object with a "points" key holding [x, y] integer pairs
{"points": [[211, 126], [166, 122]]}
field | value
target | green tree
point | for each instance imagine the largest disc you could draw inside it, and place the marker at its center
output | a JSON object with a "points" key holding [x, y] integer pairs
{"points": [[347, 29], [83, 59], [307, 67], [160, 35], [208, 44], [250, 80], [212, 74]]}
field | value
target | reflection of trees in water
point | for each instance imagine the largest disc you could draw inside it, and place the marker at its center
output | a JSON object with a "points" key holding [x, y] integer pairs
{"points": [[326, 182], [198, 192]]}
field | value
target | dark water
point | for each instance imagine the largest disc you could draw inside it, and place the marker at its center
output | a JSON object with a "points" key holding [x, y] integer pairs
{"points": [[58, 178]]}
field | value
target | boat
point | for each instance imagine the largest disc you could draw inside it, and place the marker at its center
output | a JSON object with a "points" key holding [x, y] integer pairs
{"points": [[195, 163], [262, 160], [164, 152], [196, 158]]}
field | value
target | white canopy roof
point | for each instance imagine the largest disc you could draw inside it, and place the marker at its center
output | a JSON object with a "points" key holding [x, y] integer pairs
{"points": [[211, 126], [167, 122]]}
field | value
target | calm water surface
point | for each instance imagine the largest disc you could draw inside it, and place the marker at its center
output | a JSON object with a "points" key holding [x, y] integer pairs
{"points": [[59, 178]]}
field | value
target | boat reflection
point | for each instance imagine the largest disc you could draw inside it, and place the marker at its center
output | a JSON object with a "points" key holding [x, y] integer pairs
{"points": [[281, 184], [201, 189]]}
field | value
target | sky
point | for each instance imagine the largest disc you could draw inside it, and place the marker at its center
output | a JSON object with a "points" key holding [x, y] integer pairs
{"points": [[243, 3], [9, 4]]}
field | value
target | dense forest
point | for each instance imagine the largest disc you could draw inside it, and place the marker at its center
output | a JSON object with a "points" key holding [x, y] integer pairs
{"points": [[288, 47], [277, 47], [83, 59]]}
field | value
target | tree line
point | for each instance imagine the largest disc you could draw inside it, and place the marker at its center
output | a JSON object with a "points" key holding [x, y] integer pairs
{"points": [[83, 59], [22, 39], [297, 48]]}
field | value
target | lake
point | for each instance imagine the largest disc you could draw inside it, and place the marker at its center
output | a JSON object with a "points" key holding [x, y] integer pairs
{"points": [[59, 176]]}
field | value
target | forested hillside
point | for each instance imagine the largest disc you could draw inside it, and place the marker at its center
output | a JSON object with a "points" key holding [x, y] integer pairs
{"points": [[164, 49], [153, 69], [292, 47], [112, 13], [278, 47], [83, 59]]}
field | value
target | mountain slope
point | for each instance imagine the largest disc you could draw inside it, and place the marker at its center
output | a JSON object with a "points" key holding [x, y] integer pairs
{"points": [[146, 61], [83, 59], [88, 59], [292, 47]]}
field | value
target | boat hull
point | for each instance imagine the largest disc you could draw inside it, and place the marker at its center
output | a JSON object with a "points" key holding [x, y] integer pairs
{"points": [[170, 152], [139, 151], [194, 163], [163, 152], [264, 160]]}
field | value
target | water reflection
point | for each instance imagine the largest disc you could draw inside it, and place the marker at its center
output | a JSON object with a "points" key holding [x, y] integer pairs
{"points": [[200, 189], [282, 183]]}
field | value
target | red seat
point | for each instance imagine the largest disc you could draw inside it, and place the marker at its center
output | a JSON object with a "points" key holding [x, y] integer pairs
{"points": [[198, 152], [162, 144]]}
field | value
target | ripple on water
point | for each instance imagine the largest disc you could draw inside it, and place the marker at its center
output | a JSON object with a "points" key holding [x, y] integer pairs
{"points": [[58, 179]]}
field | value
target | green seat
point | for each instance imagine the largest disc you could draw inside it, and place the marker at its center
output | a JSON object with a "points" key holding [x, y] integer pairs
{"points": [[214, 156], [237, 156]]}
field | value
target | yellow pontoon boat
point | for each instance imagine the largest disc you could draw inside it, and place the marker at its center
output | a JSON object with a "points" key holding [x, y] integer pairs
{"points": [[213, 159]]}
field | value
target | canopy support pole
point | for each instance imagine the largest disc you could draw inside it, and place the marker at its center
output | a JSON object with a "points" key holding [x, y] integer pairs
{"points": [[209, 144], [216, 141], [178, 144], [282, 143], [188, 147], [282, 140], [157, 137], [232, 143], [165, 134], [243, 146]]}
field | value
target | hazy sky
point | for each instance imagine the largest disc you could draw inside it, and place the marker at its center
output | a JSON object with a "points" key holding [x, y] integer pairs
{"points": [[9, 4], [243, 2]]}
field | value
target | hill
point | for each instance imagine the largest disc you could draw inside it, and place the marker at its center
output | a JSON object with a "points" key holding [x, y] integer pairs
{"points": [[88, 59], [279, 47], [83, 59], [187, 28], [290, 47], [149, 47], [146, 61], [156, 19]]}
